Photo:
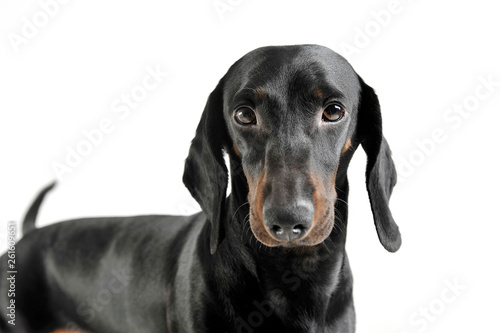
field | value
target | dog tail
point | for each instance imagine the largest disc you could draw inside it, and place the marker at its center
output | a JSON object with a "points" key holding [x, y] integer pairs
{"points": [[30, 217]]}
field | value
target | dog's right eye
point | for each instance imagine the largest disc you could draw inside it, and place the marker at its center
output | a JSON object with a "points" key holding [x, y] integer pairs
{"points": [[333, 113], [245, 116]]}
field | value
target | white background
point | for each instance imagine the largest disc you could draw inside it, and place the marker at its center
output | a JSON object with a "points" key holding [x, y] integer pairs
{"points": [[425, 59]]}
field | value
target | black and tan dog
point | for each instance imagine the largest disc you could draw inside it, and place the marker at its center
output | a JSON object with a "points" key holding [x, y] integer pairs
{"points": [[270, 257]]}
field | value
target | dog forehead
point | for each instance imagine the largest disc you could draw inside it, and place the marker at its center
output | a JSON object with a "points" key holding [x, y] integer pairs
{"points": [[281, 69]]}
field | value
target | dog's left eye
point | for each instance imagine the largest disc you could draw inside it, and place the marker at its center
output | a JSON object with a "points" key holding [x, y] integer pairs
{"points": [[245, 116], [333, 113]]}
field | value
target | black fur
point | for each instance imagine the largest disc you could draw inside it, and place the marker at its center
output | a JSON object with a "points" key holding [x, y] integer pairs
{"points": [[209, 272]]}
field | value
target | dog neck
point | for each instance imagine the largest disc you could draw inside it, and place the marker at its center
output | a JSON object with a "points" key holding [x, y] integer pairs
{"points": [[303, 286]]}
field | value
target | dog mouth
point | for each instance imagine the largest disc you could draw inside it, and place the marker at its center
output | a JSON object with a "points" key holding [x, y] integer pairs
{"points": [[304, 217]]}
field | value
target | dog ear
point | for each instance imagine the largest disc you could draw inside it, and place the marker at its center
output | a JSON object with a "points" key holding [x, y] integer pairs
{"points": [[205, 172], [380, 170]]}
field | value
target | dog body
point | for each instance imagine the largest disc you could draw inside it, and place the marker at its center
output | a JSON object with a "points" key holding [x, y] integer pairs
{"points": [[270, 257]]}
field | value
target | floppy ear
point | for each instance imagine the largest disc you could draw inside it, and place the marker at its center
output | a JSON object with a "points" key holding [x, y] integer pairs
{"points": [[380, 170], [205, 172]]}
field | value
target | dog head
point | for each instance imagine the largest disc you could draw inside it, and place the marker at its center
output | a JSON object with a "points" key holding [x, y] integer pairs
{"points": [[291, 117]]}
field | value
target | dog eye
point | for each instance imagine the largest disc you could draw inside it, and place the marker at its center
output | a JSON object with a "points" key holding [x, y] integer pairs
{"points": [[333, 113], [245, 116]]}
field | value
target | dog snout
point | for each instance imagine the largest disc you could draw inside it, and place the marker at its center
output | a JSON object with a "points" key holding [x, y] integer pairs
{"points": [[288, 222]]}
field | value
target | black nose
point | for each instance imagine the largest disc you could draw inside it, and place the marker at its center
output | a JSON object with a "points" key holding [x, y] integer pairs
{"points": [[289, 223]]}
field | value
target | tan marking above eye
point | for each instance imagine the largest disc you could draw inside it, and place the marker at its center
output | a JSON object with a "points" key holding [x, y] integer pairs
{"points": [[260, 94], [317, 93]]}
